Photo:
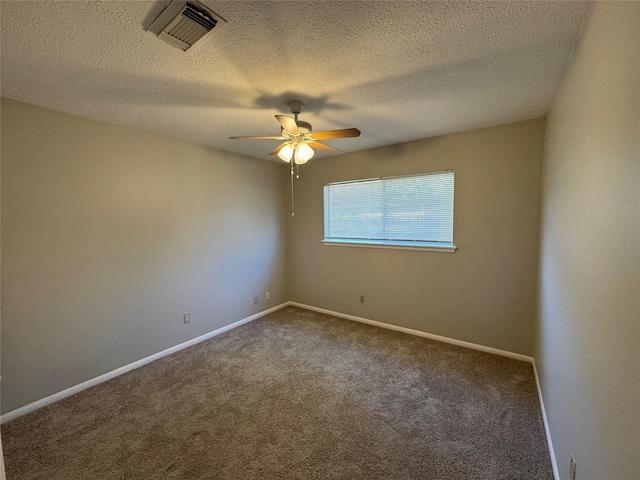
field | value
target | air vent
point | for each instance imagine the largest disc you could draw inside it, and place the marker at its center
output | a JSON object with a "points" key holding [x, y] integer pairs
{"points": [[183, 24]]}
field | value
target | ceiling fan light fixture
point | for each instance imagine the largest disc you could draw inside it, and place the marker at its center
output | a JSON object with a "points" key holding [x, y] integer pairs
{"points": [[303, 153], [286, 152], [300, 140]]}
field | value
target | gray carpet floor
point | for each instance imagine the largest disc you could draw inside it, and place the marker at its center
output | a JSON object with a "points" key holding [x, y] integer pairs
{"points": [[295, 395]]}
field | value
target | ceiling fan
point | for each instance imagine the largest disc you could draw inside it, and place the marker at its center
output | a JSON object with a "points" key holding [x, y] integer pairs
{"points": [[299, 138]]}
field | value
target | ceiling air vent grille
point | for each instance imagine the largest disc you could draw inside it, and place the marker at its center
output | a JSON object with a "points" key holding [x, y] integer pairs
{"points": [[187, 28], [182, 24]]}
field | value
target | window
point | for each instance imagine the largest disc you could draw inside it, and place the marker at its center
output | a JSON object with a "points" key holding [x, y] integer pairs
{"points": [[410, 211]]}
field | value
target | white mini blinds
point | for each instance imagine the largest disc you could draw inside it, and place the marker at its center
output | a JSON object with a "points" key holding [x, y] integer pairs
{"points": [[407, 211]]}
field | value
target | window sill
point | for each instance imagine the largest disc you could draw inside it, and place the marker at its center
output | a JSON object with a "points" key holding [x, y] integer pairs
{"points": [[394, 246]]}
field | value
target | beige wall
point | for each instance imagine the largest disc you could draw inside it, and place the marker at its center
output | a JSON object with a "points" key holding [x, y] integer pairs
{"points": [[485, 292], [587, 340], [110, 234]]}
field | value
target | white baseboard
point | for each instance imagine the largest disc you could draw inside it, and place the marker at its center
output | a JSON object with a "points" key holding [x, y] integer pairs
{"points": [[554, 465], [119, 371], [453, 341]]}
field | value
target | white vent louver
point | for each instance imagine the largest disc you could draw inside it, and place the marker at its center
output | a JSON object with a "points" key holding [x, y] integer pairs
{"points": [[181, 24]]}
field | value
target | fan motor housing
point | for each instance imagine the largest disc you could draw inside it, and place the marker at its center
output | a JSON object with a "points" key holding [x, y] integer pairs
{"points": [[304, 125]]}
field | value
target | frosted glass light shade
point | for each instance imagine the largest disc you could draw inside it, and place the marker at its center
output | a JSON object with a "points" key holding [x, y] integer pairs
{"points": [[304, 153], [286, 152]]}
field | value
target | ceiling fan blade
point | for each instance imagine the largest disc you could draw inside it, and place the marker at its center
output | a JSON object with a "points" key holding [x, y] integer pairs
{"points": [[344, 133], [276, 150], [258, 138], [288, 123], [326, 148]]}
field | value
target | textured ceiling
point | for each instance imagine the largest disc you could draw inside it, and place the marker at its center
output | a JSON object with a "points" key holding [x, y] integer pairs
{"points": [[398, 71]]}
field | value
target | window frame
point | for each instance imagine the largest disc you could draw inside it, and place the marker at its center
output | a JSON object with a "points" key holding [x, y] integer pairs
{"points": [[444, 247]]}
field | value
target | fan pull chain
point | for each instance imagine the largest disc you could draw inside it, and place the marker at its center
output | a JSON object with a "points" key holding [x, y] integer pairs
{"points": [[292, 205]]}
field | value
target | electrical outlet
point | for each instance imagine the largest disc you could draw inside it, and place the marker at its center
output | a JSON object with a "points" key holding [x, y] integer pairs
{"points": [[361, 298], [255, 300], [186, 318], [572, 468], [267, 295]]}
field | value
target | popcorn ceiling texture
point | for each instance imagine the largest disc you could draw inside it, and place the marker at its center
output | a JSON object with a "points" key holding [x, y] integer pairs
{"points": [[398, 71]]}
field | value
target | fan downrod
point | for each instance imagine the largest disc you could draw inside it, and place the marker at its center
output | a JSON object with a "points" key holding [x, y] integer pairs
{"points": [[296, 106]]}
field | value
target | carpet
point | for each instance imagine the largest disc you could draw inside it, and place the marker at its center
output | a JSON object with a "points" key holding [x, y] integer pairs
{"points": [[295, 395]]}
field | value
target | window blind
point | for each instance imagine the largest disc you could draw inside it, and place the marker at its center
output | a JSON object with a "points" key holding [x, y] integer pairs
{"points": [[414, 210]]}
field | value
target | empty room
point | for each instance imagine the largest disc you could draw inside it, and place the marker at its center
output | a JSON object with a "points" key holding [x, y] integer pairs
{"points": [[320, 240]]}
